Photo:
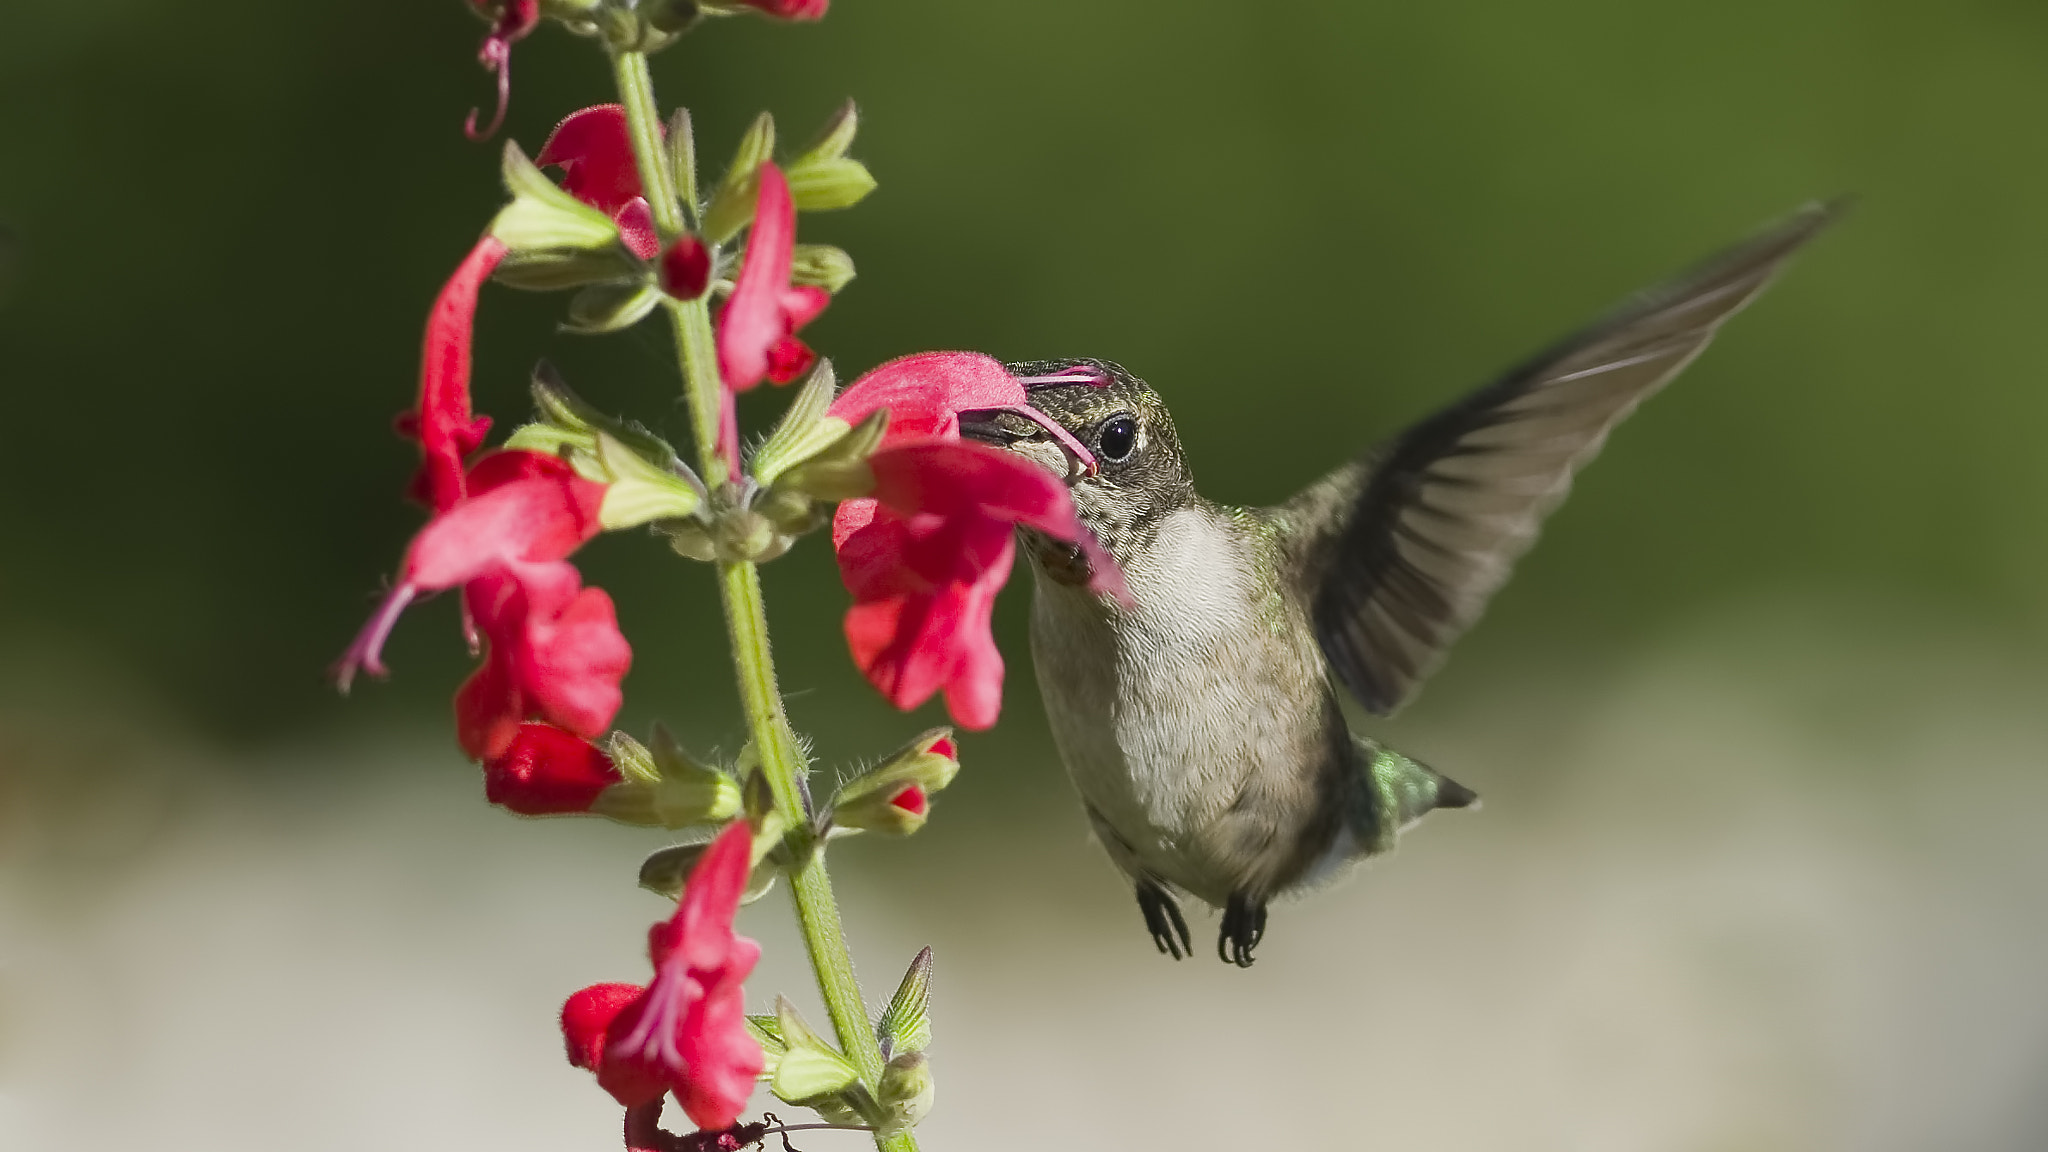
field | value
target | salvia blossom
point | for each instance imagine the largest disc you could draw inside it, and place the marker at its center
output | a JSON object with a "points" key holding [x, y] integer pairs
{"points": [[510, 21], [685, 1032], [757, 329], [547, 771], [554, 651], [925, 555], [592, 148]]}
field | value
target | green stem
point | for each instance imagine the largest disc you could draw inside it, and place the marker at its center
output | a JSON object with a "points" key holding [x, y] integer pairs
{"points": [[746, 618]]}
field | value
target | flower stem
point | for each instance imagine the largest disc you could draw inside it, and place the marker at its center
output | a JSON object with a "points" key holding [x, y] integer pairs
{"points": [[746, 618]]}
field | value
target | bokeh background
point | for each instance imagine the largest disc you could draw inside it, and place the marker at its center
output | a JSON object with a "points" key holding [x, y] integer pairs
{"points": [[1759, 725]]}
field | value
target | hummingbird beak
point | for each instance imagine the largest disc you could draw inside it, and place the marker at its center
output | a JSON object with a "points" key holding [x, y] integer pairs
{"points": [[1033, 435]]}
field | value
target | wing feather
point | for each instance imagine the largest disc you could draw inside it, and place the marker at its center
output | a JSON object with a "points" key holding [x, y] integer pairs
{"points": [[1404, 546]]}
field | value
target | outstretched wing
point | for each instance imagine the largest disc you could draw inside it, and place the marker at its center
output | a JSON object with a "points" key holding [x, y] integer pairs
{"points": [[1403, 546]]}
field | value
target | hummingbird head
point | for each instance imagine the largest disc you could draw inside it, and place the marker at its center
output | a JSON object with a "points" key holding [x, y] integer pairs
{"points": [[1137, 473]]}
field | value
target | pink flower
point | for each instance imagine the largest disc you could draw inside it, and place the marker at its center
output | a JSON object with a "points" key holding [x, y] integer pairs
{"points": [[510, 20], [554, 648], [925, 555], [757, 329], [442, 423], [546, 771], [595, 154], [791, 9], [686, 1031]]}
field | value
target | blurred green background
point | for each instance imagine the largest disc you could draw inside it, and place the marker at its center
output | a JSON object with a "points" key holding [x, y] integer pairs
{"points": [[1811, 575]]}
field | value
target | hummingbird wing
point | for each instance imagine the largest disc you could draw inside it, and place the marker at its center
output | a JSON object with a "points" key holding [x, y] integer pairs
{"points": [[1401, 548]]}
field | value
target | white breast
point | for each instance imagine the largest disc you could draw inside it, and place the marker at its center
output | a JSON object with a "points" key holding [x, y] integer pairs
{"points": [[1151, 706]]}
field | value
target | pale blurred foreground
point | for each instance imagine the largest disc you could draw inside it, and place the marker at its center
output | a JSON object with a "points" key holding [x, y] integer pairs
{"points": [[1779, 885]]}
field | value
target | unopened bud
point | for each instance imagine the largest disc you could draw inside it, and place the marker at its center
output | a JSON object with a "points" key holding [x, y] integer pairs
{"points": [[824, 185], [895, 796], [905, 1093], [906, 1026], [821, 265], [686, 268]]}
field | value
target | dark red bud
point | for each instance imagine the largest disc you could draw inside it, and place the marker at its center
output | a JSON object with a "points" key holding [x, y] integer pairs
{"points": [[686, 268]]}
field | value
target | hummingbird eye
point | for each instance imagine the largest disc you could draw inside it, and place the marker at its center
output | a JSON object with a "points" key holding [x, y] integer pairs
{"points": [[1117, 438]]}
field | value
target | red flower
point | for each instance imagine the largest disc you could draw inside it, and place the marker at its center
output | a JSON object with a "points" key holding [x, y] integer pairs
{"points": [[546, 771], [442, 423], [686, 268], [555, 651], [686, 1031], [757, 329], [595, 154], [926, 554], [510, 20], [791, 9]]}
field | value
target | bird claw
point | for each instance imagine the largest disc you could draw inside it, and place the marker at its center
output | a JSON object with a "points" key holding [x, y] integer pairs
{"points": [[1244, 925], [1163, 919]]}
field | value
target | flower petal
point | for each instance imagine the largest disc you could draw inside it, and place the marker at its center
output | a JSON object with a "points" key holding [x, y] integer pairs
{"points": [[547, 771], [595, 154], [442, 423], [764, 311], [925, 393]]}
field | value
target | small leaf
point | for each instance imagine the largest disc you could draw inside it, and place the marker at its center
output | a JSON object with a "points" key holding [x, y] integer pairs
{"points": [[682, 159], [835, 138]]}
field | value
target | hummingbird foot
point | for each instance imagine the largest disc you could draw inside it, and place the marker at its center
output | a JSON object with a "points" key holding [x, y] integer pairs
{"points": [[1163, 919], [1244, 925]]}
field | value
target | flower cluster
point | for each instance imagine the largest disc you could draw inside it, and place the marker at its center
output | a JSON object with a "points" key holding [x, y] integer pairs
{"points": [[923, 526]]}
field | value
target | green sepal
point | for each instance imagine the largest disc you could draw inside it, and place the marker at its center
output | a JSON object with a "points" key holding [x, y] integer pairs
{"points": [[639, 491], [767, 1032], [682, 159], [906, 1025], [603, 308], [732, 207], [542, 215], [665, 869], [905, 1094], [835, 138], [840, 470], [821, 266], [809, 1068], [825, 185], [554, 269], [802, 431]]}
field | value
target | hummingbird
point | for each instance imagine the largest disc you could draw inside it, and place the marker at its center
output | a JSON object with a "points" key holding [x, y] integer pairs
{"points": [[1200, 720]]}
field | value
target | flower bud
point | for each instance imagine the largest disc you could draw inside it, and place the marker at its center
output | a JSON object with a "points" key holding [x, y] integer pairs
{"points": [[906, 1026], [547, 771], [543, 218], [895, 796], [822, 266], [665, 870], [686, 268], [823, 185], [905, 1093]]}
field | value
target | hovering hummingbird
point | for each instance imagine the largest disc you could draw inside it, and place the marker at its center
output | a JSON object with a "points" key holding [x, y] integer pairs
{"points": [[1200, 723]]}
